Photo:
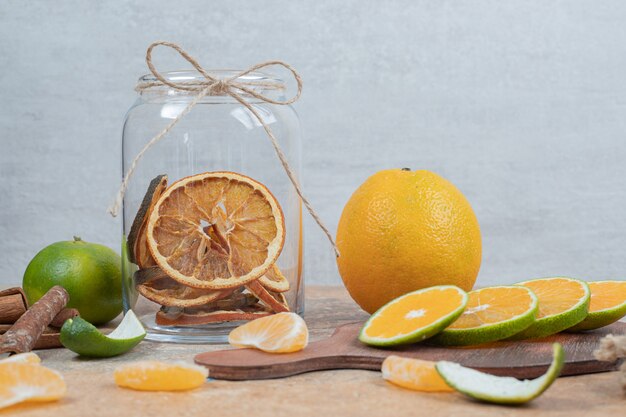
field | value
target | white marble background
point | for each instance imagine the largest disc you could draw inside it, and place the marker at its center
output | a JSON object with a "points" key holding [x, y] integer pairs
{"points": [[522, 104]]}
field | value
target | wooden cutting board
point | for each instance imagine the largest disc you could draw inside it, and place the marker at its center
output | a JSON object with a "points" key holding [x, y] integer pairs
{"points": [[525, 359]]}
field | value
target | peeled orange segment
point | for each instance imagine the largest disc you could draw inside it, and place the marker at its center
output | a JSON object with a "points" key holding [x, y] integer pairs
{"points": [[274, 300], [563, 303], [160, 376], [139, 253], [254, 230], [27, 357], [194, 317], [278, 333], [491, 314], [22, 381], [274, 280], [415, 316], [414, 374], [607, 305], [157, 286]]}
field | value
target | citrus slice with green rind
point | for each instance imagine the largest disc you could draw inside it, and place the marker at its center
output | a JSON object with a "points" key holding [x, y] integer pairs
{"points": [[85, 339], [607, 305], [563, 303], [491, 314], [498, 389], [415, 316]]}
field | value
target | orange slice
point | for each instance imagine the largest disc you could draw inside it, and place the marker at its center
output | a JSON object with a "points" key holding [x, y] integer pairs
{"points": [[274, 280], [607, 305], [139, 252], [160, 376], [200, 316], [491, 314], [254, 231], [156, 285], [278, 333], [23, 381], [274, 300], [415, 316], [563, 303], [414, 374]]}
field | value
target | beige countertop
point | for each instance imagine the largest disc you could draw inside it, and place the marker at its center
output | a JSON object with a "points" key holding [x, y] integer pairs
{"points": [[92, 392]]}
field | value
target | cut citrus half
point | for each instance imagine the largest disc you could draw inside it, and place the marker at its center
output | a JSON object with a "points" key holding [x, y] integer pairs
{"points": [[278, 333], [254, 230], [498, 389], [607, 305], [83, 338], [157, 286], [22, 381], [491, 314], [160, 376], [139, 253], [414, 374], [274, 300], [274, 280], [415, 316], [563, 303], [27, 357]]}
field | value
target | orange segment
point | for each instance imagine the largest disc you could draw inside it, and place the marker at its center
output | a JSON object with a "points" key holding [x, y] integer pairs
{"points": [[193, 243], [606, 295], [414, 316], [23, 381], [413, 374], [278, 333], [27, 357], [160, 376]]}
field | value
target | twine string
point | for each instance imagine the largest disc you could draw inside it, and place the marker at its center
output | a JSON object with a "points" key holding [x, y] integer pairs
{"points": [[212, 85]]}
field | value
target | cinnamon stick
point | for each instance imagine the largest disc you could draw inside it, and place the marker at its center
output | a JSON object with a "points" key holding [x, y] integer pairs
{"points": [[65, 314], [12, 305], [23, 335]]}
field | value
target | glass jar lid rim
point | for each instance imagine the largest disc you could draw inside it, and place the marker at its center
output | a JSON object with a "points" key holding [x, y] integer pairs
{"points": [[194, 75]]}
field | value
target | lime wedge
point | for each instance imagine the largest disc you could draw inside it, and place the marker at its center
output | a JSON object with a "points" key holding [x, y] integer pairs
{"points": [[498, 389], [84, 338], [492, 313]]}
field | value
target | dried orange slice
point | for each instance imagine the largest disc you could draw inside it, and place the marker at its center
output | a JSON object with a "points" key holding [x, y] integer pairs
{"points": [[274, 300], [156, 285], [199, 316], [274, 280], [415, 374], [254, 231], [160, 376], [23, 381], [139, 253], [278, 333]]}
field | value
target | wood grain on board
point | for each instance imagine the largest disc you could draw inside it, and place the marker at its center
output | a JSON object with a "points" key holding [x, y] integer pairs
{"points": [[521, 359]]}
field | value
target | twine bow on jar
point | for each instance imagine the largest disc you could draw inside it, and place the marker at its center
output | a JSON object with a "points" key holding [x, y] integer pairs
{"points": [[213, 86]]}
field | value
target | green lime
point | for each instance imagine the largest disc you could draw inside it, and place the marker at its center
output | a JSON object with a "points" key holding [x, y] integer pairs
{"points": [[90, 273], [498, 389], [83, 338], [415, 316], [608, 305], [563, 303], [491, 314]]}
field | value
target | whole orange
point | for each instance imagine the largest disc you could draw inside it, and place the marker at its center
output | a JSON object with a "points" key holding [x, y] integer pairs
{"points": [[404, 230]]}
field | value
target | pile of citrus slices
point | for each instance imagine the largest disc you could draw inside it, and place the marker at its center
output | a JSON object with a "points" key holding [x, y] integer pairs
{"points": [[206, 247]]}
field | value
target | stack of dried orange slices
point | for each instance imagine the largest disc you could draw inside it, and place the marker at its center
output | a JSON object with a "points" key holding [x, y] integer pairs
{"points": [[206, 248]]}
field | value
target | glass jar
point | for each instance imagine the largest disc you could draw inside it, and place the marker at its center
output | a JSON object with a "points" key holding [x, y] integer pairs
{"points": [[199, 244]]}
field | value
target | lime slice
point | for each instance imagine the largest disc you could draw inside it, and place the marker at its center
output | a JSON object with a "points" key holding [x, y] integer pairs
{"points": [[491, 314], [415, 316], [82, 337], [608, 305], [563, 303], [497, 389]]}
